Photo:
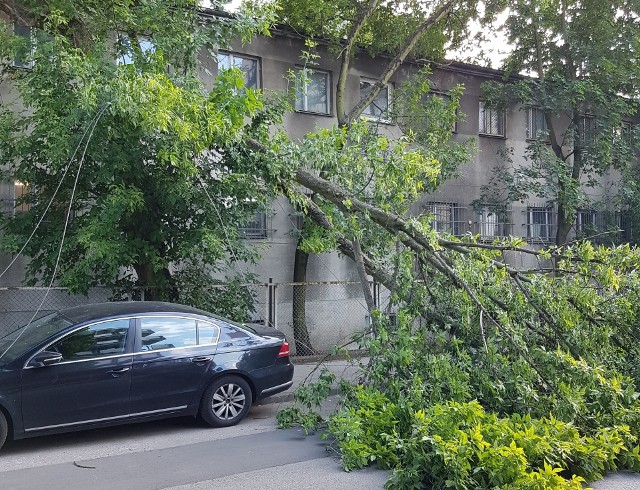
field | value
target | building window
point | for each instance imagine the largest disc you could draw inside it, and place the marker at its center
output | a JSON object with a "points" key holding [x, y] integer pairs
{"points": [[585, 222], [492, 121], [21, 192], [536, 124], [586, 130], [127, 55], [444, 100], [623, 222], [312, 91], [256, 229], [379, 108], [24, 58], [247, 65], [494, 222], [539, 224], [444, 217]]}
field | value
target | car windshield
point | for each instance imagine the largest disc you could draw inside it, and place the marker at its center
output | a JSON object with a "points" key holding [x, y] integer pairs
{"points": [[17, 342]]}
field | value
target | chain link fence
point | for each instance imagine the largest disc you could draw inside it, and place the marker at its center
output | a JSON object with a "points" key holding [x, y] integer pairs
{"points": [[18, 306], [327, 313]]}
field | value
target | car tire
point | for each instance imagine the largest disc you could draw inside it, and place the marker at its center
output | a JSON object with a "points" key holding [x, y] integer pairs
{"points": [[4, 428], [226, 402]]}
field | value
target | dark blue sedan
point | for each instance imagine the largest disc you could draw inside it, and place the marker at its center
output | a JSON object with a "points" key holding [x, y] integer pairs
{"points": [[114, 363]]}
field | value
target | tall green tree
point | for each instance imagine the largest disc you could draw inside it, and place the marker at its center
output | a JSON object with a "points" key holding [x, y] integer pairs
{"points": [[400, 30], [135, 169], [583, 80]]}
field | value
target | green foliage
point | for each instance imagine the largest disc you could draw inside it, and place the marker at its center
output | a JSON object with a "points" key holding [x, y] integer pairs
{"points": [[387, 29], [135, 169], [539, 390], [582, 56]]}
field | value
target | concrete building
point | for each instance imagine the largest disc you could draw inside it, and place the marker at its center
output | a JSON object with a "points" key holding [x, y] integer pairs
{"points": [[266, 62]]}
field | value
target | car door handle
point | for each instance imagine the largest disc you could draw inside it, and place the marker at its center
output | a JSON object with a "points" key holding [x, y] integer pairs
{"points": [[117, 372], [200, 359]]}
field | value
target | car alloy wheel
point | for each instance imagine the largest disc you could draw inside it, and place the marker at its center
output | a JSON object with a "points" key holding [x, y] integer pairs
{"points": [[226, 402]]}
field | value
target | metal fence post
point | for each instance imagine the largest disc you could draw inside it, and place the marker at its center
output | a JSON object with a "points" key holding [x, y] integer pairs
{"points": [[271, 304]]}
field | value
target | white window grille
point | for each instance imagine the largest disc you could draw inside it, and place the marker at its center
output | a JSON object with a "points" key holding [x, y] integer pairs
{"points": [[539, 224], [536, 124], [492, 121], [494, 222]]}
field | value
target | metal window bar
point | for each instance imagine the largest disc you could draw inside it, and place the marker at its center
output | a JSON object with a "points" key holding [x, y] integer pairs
{"points": [[494, 222], [448, 218], [540, 225], [491, 121], [258, 228]]}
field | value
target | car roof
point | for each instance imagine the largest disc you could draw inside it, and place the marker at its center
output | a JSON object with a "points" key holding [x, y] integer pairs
{"points": [[85, 313]]}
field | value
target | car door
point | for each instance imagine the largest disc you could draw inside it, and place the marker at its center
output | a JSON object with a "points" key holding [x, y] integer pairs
{"points": [[89, 384], [171, 360]]}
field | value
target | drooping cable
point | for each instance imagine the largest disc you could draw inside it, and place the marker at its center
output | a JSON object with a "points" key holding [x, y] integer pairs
{"points": [[93, 126], [55, 193]]}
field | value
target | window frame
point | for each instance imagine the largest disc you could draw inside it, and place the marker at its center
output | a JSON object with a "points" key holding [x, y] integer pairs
{"points": [[128, 350], [304, 72], [137, 347], [482, 117], [260, 232], [547, 225], [447, 98], [233, 55], [451, 226], [586, 132], [531, 121], [385, 116], [502, 224]]}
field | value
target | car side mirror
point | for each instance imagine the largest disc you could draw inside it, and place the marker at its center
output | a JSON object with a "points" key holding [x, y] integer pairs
{"points": [[45, 358]]}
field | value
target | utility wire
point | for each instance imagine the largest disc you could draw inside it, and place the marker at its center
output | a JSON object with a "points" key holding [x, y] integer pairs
{"points": [[92, 125]]}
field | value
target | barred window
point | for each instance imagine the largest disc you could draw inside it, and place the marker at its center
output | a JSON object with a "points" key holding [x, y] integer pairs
{"points": [[492, 121], [495, 222], [586, 130], [539, 224], [444, 217], [536, 124], [256, 229]]}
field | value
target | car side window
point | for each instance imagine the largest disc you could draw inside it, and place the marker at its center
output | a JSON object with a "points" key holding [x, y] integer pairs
{"points": [[229, 333], [99, 340], [167, 333], [208, 333]]}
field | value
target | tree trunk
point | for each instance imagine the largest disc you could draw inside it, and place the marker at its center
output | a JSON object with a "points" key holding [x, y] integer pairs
{"points": [[156, 286], [299, 302]]}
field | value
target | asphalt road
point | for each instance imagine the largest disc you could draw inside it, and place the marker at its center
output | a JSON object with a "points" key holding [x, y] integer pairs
{"points": [[180, 454]]}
